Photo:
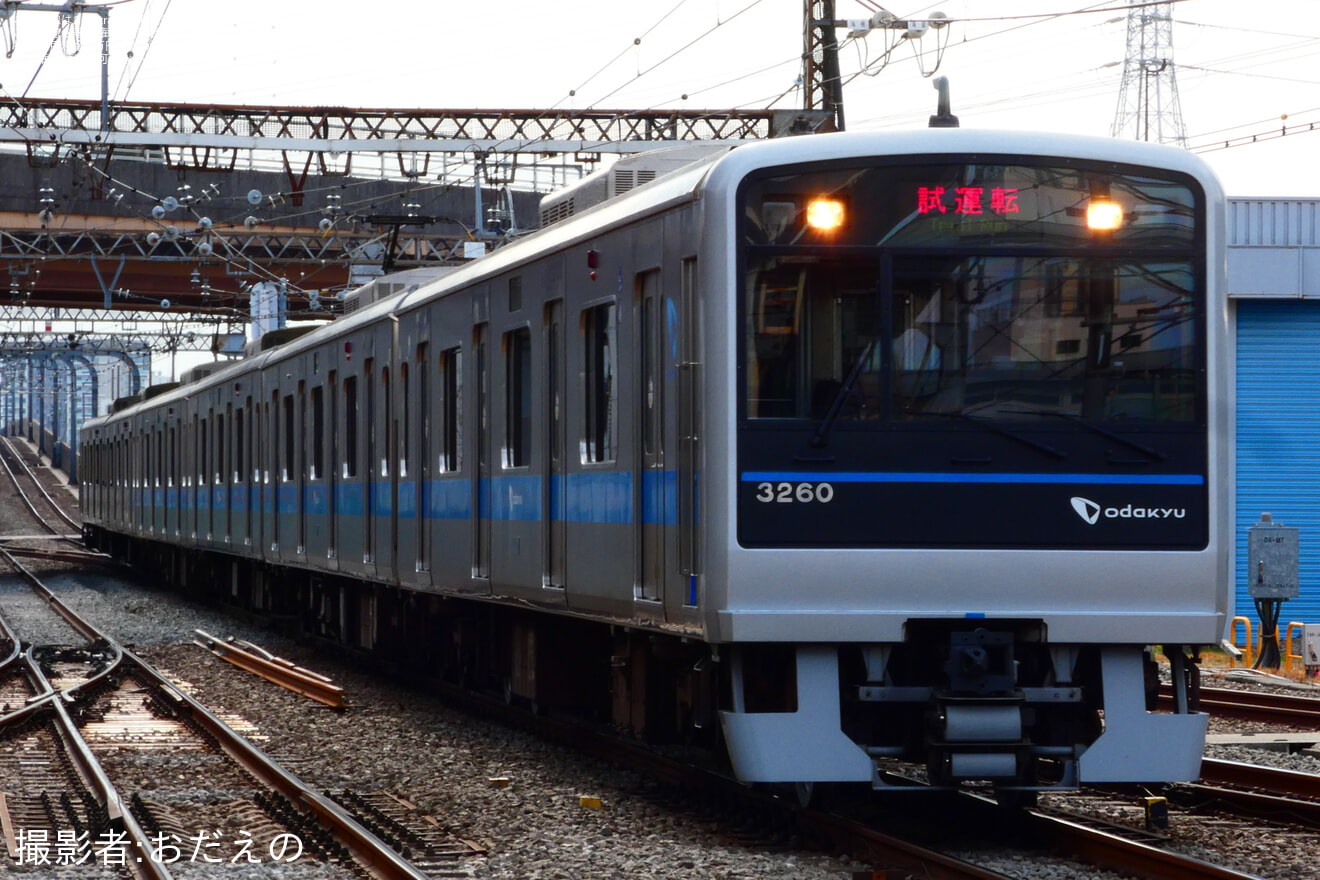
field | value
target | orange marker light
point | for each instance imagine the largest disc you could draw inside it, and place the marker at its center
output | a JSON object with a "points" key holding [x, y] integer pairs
{"points": [[1104, 216], [825, 215]]}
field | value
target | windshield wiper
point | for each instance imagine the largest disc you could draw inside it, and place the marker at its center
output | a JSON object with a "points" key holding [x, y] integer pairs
{"points": [[836, 406], [1095, 429], [1001, 431]]}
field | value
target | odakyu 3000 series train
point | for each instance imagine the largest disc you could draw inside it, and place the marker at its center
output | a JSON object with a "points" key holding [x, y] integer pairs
{"points": [[846, 449]]}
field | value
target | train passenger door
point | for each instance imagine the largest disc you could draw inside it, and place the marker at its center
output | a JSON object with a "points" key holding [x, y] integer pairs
{"points": [[556, 536], [424, 465], [225, 450], [481, 473], [332, 466], [369, 441], [253, 475], [270, 521], [302, 464], [652, 503]]}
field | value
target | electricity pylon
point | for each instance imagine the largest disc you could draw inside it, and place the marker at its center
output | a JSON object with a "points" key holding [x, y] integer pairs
{"points": [[1148, 108]]}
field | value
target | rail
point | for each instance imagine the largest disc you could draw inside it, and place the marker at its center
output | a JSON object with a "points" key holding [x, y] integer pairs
{"points": [[1253, 706], [27, 502], [285, 674], [1259, 792], [378, 859], [1111, 851], [862, 839]]}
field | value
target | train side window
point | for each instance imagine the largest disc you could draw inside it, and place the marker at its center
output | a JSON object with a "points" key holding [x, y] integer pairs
{"points": [[240, 441], [451, 410], [201, 453], [269, 431], [169, 472], [405, 435], [300, 448], [254, 415], [600, 370], [219, 449], [389, 425], [350, 427], [423, 411], [518, 392], [286, 466], [515, 293], [318, 433]]}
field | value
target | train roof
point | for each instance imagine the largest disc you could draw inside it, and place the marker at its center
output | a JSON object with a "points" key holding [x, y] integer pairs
{"points": [[960, 141], [720, 172]]}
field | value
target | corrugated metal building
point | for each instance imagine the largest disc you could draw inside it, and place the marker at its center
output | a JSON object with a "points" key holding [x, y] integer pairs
{"points": [[1274, 286]]}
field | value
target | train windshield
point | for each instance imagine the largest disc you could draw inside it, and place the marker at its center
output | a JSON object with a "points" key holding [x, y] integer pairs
{"points": [[922, 342], [1009, 337]]}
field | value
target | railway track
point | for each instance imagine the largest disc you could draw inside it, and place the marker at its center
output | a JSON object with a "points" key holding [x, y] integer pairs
{"points": [[136, 732], [1253, 791], [108, 766], [890, 841], [125, 721], [1264, 707], [38, 502]]}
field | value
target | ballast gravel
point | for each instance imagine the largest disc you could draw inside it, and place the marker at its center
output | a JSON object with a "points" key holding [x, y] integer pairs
{"points": [[410, 744]]}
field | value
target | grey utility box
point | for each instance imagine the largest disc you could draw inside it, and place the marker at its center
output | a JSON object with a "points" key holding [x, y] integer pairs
{"points": [[1271, 560]]}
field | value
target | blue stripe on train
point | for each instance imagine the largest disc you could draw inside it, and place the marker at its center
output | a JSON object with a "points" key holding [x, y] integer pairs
{"points": [[591, 497], [900, 477]]}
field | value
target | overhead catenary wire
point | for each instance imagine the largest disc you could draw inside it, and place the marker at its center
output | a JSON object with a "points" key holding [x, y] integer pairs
{"points": [[465, 178], [680, 50], [132, 48], [53, 40], [150, 41], [1035, 97], [635, 43], [670, 12]]}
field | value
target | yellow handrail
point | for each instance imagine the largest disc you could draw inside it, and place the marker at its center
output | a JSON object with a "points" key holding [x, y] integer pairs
{"points": [[1245, 647], [1286, 646]]}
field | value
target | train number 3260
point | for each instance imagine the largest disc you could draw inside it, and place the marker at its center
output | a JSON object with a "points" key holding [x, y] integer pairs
{"points": [[788, 493]]}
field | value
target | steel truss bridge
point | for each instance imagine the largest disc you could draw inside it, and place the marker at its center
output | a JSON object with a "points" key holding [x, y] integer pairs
{"points": [[216, 136], [96, 248]]}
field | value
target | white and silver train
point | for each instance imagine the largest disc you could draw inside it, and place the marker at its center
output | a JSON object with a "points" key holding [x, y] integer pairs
{"points": [[853, 451]]}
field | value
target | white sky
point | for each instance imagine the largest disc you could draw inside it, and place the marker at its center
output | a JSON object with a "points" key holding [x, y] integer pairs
{"points": [[1241, 67]]}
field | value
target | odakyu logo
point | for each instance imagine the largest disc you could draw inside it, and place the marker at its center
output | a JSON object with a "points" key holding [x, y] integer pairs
{"points": [[1091, 512], [1086, 509]]}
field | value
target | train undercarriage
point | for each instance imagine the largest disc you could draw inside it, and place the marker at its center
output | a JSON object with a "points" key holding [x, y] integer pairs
{"points": [[959, 701]]}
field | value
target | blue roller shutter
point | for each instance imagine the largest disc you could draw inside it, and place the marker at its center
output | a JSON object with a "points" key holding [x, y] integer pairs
{"points": [[1278, 438]]}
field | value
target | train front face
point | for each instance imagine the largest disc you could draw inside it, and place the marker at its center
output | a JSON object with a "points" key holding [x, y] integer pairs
{"points": [[978, 447]]}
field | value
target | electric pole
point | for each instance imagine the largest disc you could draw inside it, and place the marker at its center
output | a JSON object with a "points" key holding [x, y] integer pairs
{"points": [[68, 11], [822, 87]]}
